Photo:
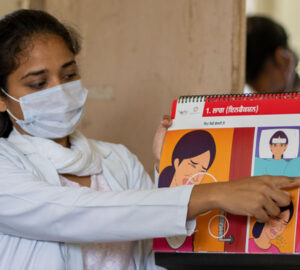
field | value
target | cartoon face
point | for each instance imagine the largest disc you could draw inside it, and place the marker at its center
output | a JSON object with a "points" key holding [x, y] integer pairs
{"points": [[278, 149], [276, 225], [190, 166]]}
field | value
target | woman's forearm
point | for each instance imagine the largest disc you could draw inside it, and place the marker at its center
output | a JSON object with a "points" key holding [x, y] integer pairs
{"points": [[258, 196]]}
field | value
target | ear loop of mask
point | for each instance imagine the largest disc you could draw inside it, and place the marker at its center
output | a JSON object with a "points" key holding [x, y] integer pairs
{"points": [[8, 111]]}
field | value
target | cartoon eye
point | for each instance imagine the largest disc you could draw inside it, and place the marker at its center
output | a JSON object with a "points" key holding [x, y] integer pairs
{"points": [[193, 165]]}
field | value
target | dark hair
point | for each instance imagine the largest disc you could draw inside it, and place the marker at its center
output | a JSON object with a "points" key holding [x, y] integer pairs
{"points": [[17, 30], [258, 226], [264, 36], [190, 145]]}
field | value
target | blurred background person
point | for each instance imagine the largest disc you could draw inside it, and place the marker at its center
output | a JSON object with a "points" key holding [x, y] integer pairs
{"points": [[270, 63]]}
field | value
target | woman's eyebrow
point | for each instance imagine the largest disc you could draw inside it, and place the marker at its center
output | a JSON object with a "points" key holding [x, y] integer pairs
{"points": [[34, 73], [39, 72], [72, 62]]}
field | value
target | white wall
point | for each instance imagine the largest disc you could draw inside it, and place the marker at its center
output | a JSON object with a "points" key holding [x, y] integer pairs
{"points": [[7, 6], [139, 55]]}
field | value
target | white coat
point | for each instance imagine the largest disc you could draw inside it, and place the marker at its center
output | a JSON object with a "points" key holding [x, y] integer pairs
{"points": [[42, 223]]}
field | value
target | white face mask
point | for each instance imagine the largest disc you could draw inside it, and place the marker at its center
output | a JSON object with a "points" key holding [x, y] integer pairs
{"points": [[54, 112]]}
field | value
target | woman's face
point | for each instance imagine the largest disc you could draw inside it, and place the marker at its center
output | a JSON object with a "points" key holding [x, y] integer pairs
{"points": [[276, 225], [45, 63], [278, 149], [190, 166]]}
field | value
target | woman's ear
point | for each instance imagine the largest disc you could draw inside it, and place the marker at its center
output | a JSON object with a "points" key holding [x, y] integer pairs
{"points": [[282, 57], [3, 106], [176, 163], [285, 61]]}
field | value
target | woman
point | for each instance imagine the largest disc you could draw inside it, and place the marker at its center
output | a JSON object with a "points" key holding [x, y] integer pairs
{"points": [[278, 144], [277, 164], [192, 157], [270, 63], [263, 233], [66, 202]]}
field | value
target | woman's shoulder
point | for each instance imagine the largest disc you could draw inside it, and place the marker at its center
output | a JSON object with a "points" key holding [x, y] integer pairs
{"points": [[113, 149], [9, 154], [7, 148]]}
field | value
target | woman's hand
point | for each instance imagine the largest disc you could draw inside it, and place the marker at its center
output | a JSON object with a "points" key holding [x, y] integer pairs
{"points": [[259, 196], [159, 138]]}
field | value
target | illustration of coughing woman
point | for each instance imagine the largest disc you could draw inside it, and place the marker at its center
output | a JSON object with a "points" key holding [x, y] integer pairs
{"points": [[192, 156], [264, 233]]}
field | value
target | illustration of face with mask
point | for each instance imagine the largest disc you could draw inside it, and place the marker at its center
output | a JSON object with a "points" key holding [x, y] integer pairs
{"points": [[263, 233], [278, 144], [192, 156]]}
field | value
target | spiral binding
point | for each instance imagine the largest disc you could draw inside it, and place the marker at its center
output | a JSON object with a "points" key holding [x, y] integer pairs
{"points": [[238, 97]]}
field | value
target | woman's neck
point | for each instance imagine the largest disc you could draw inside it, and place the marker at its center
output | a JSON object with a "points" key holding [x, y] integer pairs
{"points": [[277, 157], [65, 142]]}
